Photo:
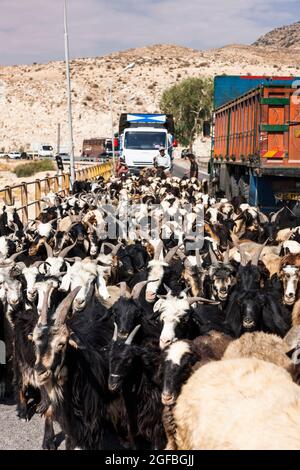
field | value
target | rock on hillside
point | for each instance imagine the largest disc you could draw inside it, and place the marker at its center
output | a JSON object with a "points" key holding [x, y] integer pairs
{"points": [[286, 36]]}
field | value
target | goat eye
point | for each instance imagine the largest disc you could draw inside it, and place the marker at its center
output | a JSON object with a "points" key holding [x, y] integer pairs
{"points": [[60, 346]]}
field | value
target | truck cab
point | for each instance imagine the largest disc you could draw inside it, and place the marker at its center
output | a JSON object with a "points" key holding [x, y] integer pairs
{"points": [[141, 136]]}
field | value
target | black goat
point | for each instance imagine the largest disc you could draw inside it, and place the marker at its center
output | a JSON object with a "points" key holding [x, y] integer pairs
{"points": [[253, 310], [133, 372], [71, 364]]}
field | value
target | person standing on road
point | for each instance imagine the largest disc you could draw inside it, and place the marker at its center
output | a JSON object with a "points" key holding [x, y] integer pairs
{"points": [[122, 168], [194, 170], [162, 161]]}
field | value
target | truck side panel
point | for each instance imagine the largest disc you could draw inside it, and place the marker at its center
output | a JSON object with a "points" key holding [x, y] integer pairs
{"points": [[237, 129], [294, 131]]}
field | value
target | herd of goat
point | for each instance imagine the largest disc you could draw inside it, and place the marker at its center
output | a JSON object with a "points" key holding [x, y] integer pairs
{"points": [[152, 340]]}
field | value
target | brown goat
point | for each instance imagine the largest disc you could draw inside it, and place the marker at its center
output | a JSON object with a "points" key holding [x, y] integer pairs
{"points": [[290, 260], [267, 347]]}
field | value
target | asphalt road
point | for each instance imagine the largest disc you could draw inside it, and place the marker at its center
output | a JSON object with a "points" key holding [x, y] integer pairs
{"points": [[19, 435], [182, 167]]}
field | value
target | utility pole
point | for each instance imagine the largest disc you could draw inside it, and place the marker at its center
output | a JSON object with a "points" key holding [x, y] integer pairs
{"points": [[58, 139], [71, 139], [112, 126]]}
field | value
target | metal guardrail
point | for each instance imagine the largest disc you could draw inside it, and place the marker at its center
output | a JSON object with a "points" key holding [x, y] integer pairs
{"points": [[20, 194]]}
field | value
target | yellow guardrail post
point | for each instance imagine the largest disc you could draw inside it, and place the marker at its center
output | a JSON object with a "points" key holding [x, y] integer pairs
{"points": [[8, 196], [47, 185], [56, 184], [24, 201], [68, 183], [38, 193]]}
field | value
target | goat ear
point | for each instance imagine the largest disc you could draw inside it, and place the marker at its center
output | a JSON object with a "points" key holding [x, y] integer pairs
{"points": [[65, 282], [158, 305], [75, 342], [294, 355], [86, 245], [233, 317], [290, 353], [273, 319]]}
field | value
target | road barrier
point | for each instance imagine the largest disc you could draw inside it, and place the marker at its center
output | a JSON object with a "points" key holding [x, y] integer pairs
{"points": [[37, 190]]}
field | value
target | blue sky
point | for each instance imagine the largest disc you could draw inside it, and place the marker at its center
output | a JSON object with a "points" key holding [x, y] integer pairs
{"points": [[32, 30]]}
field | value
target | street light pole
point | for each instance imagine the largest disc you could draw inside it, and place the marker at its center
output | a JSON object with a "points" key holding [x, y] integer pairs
{"points": [[71, 138], [111, 83], [112, 125]]}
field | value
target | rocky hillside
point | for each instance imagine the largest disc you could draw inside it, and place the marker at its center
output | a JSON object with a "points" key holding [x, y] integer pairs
{"points": [[284, 37], [33, 97]]}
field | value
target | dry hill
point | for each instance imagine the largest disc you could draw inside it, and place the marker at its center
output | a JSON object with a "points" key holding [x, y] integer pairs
{"points": [[33, 97]]}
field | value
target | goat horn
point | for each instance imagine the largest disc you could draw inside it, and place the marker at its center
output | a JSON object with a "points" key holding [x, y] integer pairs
{"points": [[37, 264], [257, 255], [198, 257], [91, 226], [292, 338], [181, 256], [15, 226], [5, 265], [44, 311], [213, 258], [274, 216], [135, 293], [73, 224], [49, 250], [158, 250], [226, 256], [263, 218], [132, 335], [169, 291], [244, 259], [187, 263], [116, 248], [62, 310], [123, 288], [21, 265], [192, 300], [15, 256], [27, 225], [65, 251], [115, 336], [171, 254]]}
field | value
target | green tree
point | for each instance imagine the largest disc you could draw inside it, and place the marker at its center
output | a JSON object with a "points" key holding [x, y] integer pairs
{"points": [[191, 103]]}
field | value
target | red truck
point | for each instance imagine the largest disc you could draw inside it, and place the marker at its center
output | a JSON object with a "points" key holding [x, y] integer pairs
{"points": [[96, 148], [256, 139]]}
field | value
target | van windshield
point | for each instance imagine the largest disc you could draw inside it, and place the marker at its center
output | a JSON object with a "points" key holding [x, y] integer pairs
{"points": [[144, 140], [47, 147]]}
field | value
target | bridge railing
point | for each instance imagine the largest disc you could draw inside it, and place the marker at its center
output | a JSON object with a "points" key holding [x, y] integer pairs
{"points": [[28, 197]]}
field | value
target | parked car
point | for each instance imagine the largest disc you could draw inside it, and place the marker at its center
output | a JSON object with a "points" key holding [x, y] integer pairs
{"points": [[14, 155]]}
